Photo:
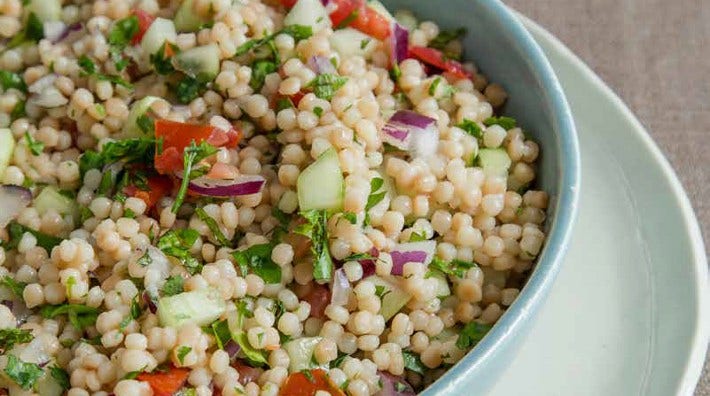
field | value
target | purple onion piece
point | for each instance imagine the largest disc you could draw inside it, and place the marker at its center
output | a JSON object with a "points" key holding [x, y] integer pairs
{"points": [[397, 131], [399, 43], [340, 288], [232, 349], [369, 266], [394, 386], [411, 118], [321, 65], [12, 200], [149, 302], [401, 258], [244, 185]]}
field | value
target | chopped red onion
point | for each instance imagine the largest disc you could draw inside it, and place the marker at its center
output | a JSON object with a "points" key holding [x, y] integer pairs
{"points": [[232, 349], [394, 386], [321, 65], [12, 200], [340, 289], [411, 252], [149, 302], [410, 131], [243, 185], [399, 43]]}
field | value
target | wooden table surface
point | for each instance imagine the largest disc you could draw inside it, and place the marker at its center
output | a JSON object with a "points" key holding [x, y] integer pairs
{"points": [[656, 55]]}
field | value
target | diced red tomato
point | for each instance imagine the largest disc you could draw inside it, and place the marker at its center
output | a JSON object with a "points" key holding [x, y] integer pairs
{"points": [[436, 58], [158, 187], [177, 135], [372, 23], [318, 298], [344, 10], [165, 383], [247, 374], [302, 384], [288, 3], [144, 22]]}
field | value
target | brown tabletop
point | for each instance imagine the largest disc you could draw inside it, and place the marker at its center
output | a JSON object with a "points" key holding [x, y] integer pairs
{"points": [[656, 55]]}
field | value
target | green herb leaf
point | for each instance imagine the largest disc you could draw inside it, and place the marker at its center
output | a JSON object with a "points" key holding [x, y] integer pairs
{"points": [[15, 230], [444, 38], [123, 31], [471, 128], [376, 196], [471, 334], [23, 374], [162, 64], [326, 85], [191, 156], [89, 68], [222, 334], [381, 291], [174, 285], [298, 32], [132, 374], [80, 316], [413, 363], [284, 103], [134, 313], [213, 226], [60, 376], [318, 111], [434, 84], [146, 124], [35, 147], [177, 243], [137, 150], [316, 229], [455, 268], [14, 286], [507, 123], [18, 111], [257, 258], [182, 352], [10, 80], [9, 337], [416, 237], [259, 70], [309, 375], [350, 217]]}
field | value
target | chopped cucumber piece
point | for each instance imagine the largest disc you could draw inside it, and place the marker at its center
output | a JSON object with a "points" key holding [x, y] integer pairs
{"points": [[350, 42], [301, 353], [309, 13], [50, 198], [186, 19], [7, 146], [199, 307], [202, 61], [131, 129], [321, 185], [494, 162], [160, 31], [46, 10], [394, 297], [442, 285]]}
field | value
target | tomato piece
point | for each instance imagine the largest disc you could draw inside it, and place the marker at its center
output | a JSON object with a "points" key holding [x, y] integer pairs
{"points": [[177, 135], [288, 3], [158, 187], [372, 23], [437, 59], [344, 10], [301, 384], [319, 298], [144, 22], [247, 374], [165, 383]]}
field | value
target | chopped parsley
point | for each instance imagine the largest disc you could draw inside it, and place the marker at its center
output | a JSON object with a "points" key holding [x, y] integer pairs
{"points": [[120, 36], [309, 375], [16, 287], [15, 231], [376, 196], [259, 70], [189, 88], [177, 243], [222, 334], [471, 334], [298, 32], [444, 38], [318, 111], [161, 61], [88, 68], [350, 217], [10, 80], [145, 260], [9, 337], [471, 128], [33, 32], [381, 291], [60, 376], [326, 85], [257, 258], [412, 362], [136, 150], [174, 285], [35, 147], [133, 314], [455, 267], [80, 316], [192, 154], [213, 226], [18, 111], [434, 84], [145, 124], [182, 352], [417, 236], [364, 43], [22, 373], [507, 123], [316, 229], [284, 103]]}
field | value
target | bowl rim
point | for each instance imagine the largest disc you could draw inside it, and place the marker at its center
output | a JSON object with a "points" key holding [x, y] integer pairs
{"points": [[548, 266]]}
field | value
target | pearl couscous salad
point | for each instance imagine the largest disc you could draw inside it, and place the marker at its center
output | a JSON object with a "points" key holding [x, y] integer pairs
{"points": [[250, 197]]}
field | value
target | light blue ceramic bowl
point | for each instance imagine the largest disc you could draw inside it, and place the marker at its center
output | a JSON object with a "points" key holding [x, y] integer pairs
{"points": [[507, 54]]}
